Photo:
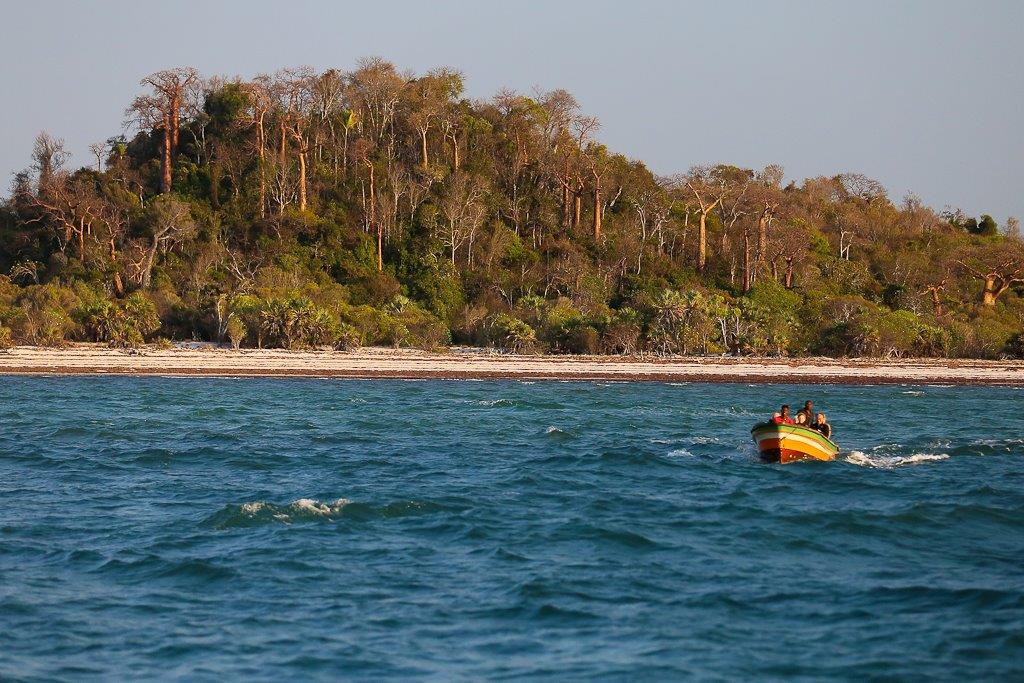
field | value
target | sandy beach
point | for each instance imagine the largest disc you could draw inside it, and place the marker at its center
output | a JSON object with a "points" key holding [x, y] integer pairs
{"points": [[459, 363]]}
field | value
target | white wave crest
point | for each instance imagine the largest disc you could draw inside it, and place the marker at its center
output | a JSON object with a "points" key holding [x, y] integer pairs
{"points": [[315, 507], [253, 509], [303, 507], [888, 462], [998, 443], [680, 453], [493, 402]]}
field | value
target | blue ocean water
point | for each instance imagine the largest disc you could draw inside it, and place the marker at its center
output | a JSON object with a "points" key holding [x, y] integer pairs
{"points": [[203, 529]]}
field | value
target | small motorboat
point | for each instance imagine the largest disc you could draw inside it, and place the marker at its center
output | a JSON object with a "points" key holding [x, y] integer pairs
{"points": [[784, 443]]}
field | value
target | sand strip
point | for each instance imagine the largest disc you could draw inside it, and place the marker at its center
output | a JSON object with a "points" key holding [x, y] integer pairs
{"points": [[477, 364]]}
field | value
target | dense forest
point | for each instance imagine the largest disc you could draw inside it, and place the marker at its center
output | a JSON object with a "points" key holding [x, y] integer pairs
{"points": [[377, 207]]}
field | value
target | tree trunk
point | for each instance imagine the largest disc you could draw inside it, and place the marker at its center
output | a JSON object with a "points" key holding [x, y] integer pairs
{"points": [[282, 152], [175, 107], [789, 274], [261, 144], [702, 242], [302, 178], [215, 184], [282, 160], [165, 158], [746, 261], [344, 155], [936, 302], [597, 213], [118, 283], [425, 158], [991, 291], [380, 248], [565, 206], [762, 241], [373, 219], [577, 208], [81, 239], [147, 267]]}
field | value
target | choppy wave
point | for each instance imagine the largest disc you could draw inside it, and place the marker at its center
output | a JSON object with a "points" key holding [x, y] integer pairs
{"points": [[494, 402], [258, 513]]}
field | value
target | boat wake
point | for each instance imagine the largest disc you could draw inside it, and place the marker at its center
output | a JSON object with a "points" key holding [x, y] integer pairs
{"points": [[888, 462]]}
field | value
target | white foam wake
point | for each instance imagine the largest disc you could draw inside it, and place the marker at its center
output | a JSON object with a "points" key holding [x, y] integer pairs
{"points": [[888, 462]]}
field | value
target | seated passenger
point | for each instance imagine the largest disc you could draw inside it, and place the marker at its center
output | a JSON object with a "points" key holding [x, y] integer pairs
{"points": [[801, 419], [808, 412], [783, 418], [822, 425]]}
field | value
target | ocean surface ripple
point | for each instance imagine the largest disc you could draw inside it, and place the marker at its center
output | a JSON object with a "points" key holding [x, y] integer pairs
{"points": [[199, 529]]}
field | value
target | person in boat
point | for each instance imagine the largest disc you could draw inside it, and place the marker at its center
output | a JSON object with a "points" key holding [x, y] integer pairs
{"points": [[821, 424], [783, 417], [801, 419], [808, 412]]}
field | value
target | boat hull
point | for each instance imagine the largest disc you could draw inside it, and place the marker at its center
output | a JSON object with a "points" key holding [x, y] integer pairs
{"points": [[789, 443]]}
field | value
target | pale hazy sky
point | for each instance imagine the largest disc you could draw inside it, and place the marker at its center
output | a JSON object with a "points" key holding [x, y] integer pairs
{"points": [[924, 96]]}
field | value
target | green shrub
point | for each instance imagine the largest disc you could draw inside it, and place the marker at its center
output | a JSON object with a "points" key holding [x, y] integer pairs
{"points": [[237, 331], [295, 322], [862, 328], [422, 329], [621, 334], [511, 334], [347, 337], [684, 322], [122, 324]]}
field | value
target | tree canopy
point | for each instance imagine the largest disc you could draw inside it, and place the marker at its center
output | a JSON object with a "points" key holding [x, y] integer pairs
{"points": [[376, 206]]}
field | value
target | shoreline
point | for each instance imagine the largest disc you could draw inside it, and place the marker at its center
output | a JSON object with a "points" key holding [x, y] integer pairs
{"points": [[480, 364]]}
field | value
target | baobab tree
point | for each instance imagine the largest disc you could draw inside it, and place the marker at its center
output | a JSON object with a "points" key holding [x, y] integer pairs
{"points": [[519, 127], [999, 265], [260, 95], [363, 151], [790, 247], [429, 98], [48, 159], [161, 109], [766, 196], [297, 94], [595, 159], [708, 187]]}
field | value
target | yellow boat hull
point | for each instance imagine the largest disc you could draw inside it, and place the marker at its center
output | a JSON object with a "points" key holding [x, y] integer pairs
{"points": [[789, 443]]}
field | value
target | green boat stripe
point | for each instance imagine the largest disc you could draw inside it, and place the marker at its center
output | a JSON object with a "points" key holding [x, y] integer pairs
{"points": [[803, 431]]}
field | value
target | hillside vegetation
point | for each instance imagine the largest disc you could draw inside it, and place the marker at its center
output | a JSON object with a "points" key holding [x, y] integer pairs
{"points": [[375, 207]]}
